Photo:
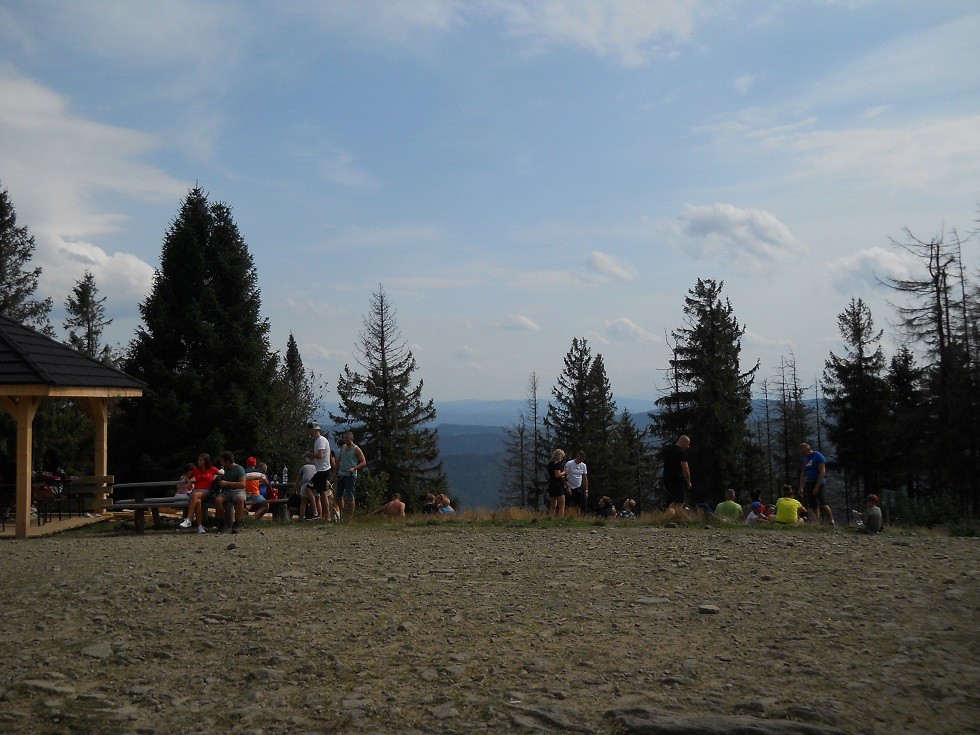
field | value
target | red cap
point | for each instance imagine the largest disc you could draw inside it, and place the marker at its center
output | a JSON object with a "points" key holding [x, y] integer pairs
{"points": [[251, 462]]}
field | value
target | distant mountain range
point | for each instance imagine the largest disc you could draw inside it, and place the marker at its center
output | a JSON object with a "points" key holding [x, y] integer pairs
{"points": [[472, 441], [507, 412]]}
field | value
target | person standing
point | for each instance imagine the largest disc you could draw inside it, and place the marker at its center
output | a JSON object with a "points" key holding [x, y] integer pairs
{"points": [[320, 457], [556, 484], [351, 460], [577, 475], [677, 475], [812, 482]]}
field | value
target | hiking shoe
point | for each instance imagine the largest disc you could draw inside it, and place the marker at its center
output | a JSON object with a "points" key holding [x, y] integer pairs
{"points": [[314, 517], [221, 528], [186, 523], [234, 528], [201, 529]]}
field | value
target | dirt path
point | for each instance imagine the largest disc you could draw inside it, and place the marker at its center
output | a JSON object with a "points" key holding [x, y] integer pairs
{"points": [[395, 628]]}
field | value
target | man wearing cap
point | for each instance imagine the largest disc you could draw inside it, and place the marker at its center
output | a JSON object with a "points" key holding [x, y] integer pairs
{"points": [[320, 457], [870, 520], [812, 476], [351, 460]]}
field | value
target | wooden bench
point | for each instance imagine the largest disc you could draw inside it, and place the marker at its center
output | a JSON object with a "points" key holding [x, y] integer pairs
{"points": [[140, 503]]}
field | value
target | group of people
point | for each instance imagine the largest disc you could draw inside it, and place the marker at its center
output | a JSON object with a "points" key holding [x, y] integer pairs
{"points": [[231, 487], [787, 510], [568, 483]]}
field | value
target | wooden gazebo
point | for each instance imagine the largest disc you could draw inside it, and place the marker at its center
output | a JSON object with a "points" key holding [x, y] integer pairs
{"points": [[34, 367]]}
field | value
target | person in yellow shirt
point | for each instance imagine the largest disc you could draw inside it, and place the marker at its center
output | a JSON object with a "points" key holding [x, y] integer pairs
{"points": [[788, 508]]}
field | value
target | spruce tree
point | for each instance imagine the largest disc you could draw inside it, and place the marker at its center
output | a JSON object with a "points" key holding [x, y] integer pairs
{"points": [[526, 455], [857, 397], [583, 414], [202, 349], [297, 400], [86, 319], [710, 396], [384, 409], [19, 282]]}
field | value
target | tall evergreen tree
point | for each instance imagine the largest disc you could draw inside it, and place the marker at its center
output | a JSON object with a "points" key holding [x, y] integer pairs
{"points": [[386, 413], [18, 281], [86, 319], [297, 399], [634, 466], [710, 398], [905, 464], [203, 350], [583, 413], [857, 397]]}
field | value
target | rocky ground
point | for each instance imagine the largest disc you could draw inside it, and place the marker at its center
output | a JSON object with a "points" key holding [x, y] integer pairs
{"points": [[403, 628]]}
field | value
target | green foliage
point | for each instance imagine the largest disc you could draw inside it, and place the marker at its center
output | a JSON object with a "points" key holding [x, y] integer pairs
{"points": [[18, 282], [202, 349], [384, 410], [582, 415], [86, 320], [857, 397], [372, 491], [928, 511], [709, 398]]}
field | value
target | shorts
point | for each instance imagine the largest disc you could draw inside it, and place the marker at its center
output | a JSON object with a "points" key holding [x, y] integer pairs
{"points": [[254, 500], [813, 499], [675, 492], [319, 481], [556, 492], [233, 494], [345, 487]]}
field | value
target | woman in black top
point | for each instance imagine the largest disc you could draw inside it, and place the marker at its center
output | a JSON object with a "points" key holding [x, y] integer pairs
{"points": [[556, 484]]}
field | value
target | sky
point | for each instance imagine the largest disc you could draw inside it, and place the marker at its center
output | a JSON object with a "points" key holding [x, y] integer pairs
{"points": [[514, 173]]}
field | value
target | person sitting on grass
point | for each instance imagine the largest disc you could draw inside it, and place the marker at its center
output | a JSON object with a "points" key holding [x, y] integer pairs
{"points": [[430, 507], [445, 507], [605, 508], [870, 520], [628, 513], [394, 508], [757, 513], [728, 511], [788, 509]]}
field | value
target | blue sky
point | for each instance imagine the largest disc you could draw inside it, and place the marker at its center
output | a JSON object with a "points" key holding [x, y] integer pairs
{"points": [[514, 172]]}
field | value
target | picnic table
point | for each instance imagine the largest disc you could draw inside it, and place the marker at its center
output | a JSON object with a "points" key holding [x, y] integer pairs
{"points": [[143, 501]]}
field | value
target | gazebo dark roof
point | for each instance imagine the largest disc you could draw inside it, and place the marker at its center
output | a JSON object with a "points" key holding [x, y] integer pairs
{"points": [[28, 357]]}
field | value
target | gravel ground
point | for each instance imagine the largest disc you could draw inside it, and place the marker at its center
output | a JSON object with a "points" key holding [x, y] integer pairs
{"points": [[403, 627]]}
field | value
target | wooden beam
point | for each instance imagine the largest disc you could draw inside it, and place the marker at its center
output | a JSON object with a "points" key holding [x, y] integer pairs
{"points": [[23, 410], [71, 391], [98, 409]]}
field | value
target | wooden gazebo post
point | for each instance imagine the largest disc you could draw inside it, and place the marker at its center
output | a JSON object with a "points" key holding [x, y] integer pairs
{"points": [[23, 408]]}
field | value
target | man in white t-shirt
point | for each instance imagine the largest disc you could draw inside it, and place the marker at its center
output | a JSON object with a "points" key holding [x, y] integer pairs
{"points": [[577, 475], [320, 457]]}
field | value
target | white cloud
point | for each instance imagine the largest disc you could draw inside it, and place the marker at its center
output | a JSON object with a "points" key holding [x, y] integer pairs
{"points": [[521, 322], [467, 353], [922, 155], [393, 21], [752, 338], [857, 272], [626, 330], [121, 277], [632, 32], [743, 83], [748, 236], [314, 351], [606, 265]]}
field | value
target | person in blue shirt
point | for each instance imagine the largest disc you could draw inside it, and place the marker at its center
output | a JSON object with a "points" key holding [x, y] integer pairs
{"points": [[812, 485]]}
